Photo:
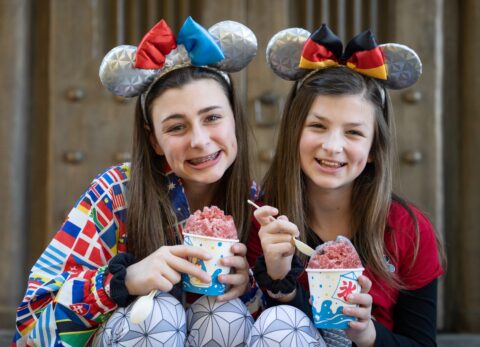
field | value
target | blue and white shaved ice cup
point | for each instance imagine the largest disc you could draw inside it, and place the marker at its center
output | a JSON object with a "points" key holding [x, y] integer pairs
{"points": [[329, 289], [218, 248]]}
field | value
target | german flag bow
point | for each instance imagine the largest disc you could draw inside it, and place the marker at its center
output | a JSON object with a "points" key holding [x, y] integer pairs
{"points": [[323, 49]]}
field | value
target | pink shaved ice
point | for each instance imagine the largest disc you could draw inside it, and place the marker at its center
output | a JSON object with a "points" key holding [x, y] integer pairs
{"points": [[339, 254], [211, 222]]}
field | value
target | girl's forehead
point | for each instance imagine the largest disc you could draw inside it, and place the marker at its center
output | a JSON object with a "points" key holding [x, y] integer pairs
{"points": [[198, 92], [204, 88], [345, 107], [190, 98]]}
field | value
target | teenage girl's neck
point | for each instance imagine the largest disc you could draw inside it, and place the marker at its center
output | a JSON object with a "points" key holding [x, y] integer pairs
{"points": [[330, 212], [199, 195]]}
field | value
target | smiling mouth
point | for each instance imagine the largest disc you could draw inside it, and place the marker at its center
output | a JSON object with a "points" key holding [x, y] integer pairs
{"points": [[330, 163], [201, 160]]}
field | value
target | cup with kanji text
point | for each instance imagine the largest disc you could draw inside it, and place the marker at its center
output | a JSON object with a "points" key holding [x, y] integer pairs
{"points": [[329, 290]]}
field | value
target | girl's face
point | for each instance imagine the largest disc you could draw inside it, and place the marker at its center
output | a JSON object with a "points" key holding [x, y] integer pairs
{"points": [[336, 139], [194, 129]]}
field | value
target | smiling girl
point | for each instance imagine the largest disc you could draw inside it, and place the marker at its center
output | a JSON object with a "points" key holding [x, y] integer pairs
{"points": [[123, 237], [332, 175]]}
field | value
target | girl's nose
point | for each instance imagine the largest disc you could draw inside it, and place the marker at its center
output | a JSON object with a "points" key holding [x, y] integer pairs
{"points": [[200, 137], [333, 143]]}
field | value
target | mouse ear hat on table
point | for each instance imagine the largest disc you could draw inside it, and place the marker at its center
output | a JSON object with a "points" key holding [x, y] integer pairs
{"points": [[129, 71], [293, 54]]}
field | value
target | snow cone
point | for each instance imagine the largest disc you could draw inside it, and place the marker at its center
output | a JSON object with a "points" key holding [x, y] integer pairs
{"points": [[215, 232], [332, 276]]}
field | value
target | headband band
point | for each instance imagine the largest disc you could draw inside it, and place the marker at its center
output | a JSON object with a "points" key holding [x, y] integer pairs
{"points": [[227, 46], [293, 53]]}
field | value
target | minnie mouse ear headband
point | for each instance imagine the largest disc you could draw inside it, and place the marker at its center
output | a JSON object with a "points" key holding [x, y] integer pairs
{"points": [[227, 46], [293, 53]]}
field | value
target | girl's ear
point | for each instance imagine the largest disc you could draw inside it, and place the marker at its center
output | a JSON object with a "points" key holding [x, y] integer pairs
{"points": [[370, 158], [154, 143]]}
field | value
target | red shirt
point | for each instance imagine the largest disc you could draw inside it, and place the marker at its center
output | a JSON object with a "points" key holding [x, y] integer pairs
{"points": [[400, 241]]}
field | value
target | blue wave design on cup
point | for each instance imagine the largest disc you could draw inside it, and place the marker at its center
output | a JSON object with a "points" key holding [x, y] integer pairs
{"points": [[327, 319], [214, 289]]}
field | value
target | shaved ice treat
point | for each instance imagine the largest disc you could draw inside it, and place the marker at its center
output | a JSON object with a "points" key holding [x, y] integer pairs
{"points": [[215, 232], [333, 273], [339, 254], [211, 222]]}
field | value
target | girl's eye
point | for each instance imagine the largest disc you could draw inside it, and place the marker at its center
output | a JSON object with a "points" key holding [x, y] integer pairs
{"points": [[213, 117], [175, 128], [317, 126], [355, 132]]}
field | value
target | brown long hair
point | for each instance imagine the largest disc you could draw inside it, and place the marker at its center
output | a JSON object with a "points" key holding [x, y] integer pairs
{"points": [[151, 221], [284, 183]]}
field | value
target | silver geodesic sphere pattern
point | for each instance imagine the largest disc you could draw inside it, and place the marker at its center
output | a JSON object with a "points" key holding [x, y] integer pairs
{"points": [[118, 74], [284, 326], [212, 323], [404, 67], [284, 51], [238, 43]]}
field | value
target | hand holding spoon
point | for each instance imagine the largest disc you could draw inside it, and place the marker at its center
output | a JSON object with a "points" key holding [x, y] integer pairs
{"points": [[301, 246]]}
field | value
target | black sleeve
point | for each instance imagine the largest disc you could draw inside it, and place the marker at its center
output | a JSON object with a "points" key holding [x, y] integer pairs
{"points": [[415, 318], [118, 268], [300, 301]]}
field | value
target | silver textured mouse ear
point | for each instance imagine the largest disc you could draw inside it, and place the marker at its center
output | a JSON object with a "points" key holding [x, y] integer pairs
{"points": [[404, 66], [238, 43], [118, 74], [284, 51]]}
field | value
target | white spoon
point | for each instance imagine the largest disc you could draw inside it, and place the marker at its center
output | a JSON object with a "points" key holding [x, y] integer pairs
{"points": [[301, 246], [142, 308]]}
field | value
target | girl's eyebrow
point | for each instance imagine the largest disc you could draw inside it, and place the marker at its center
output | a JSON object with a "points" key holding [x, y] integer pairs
{"points": [[173, 116], [356, 124], [179, 115], [319, 117], [208, 109], [351, 124]]}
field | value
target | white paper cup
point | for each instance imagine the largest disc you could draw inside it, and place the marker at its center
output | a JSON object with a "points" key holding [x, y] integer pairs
{"points": [[218, 248], [329, 289]]}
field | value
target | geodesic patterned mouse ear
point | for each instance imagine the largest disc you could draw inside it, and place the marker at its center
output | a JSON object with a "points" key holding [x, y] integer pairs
{"points": [[404, 66], [238, 43], [293, 53], [284, 51], [120, 77], [129, 71]]}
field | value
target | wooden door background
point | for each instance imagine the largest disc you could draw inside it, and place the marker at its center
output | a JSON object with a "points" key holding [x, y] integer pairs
{"points": [[59, 127]]}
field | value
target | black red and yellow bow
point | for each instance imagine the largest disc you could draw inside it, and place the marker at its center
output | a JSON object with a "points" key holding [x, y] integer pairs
{"points": [[324, 49]]}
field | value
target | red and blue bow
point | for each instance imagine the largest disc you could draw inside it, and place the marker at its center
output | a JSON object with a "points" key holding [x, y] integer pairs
{"points": [[324, 49], [202, 48]]}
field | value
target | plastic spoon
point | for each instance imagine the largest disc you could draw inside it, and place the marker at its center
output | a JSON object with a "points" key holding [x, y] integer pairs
{"points": [[142, 308], [301, 246]]}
